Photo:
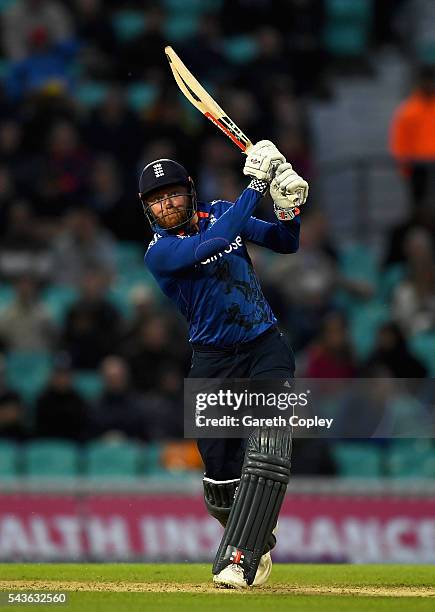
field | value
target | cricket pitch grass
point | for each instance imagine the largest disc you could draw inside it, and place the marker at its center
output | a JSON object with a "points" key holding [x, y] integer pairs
{"points": [[125, 587]]}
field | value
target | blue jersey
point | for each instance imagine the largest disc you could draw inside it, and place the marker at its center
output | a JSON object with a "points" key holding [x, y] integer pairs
{"points": [[209, 274]]}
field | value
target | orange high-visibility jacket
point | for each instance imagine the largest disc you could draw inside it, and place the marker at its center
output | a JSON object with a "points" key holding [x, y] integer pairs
{"points": [[412, 130]]}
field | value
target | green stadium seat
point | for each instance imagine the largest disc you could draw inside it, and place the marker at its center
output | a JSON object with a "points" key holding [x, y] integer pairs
{"points": [[8, 460], [348, 26], [5, 4], [129, 254], [152, 454], [240, 49], [355, 10], [423, 347], [359, 263], [6, 295], [28, 372], [364, 324], [58, 300], [192, 6], [181, 26], [50, 459], [358, 459], [389, 280], [408, 458], [91, 94], [105, 459], [88, 383], [141, 96], [128, 24]]}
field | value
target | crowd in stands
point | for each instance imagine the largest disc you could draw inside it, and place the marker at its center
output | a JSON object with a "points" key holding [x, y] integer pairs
{"points": [[86, 99]]}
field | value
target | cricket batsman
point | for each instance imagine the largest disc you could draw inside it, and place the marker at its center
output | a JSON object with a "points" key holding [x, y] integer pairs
{"points": [[199, 258]]}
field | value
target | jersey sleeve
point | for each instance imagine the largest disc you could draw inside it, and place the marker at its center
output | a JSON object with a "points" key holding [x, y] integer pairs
{"points": [[281, 237], [173, 253]]}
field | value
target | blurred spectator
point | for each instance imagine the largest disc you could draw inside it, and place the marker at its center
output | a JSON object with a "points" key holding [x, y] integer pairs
{"points": [[119, 410], [392, 353], [154, 351], [93, 325], [66, 169], [119, 212], [144, 303], [61, 412], [145, 51], [113, 128], [270, 61], [181, 455], [7, 195], [22, 250], [305, 35], [421, 217], [12, 410], [46, 67], [412, 137], [164, 406], [26, 325], [204, 49], [331, 355], [82, 245], [25, 16], [94, 29], [413, 304], [314, 277]]}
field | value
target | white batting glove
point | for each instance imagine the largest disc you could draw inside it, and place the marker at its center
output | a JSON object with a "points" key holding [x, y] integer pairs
{"points": [[283, 207], [291, 184], [262, 160]]}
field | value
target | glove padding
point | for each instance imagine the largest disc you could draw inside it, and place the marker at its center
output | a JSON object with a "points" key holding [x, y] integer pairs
{"points": [[262, 160], [291, 185], [288, 196]]}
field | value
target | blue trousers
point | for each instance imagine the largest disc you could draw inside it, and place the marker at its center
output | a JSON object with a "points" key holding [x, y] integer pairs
{"points": [[268, 356]]}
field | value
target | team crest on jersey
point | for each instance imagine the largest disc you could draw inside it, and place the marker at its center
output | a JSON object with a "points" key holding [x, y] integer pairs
{"points": [[158, 170]]}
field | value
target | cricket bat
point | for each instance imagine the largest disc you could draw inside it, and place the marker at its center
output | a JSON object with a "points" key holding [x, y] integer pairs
{"points": [[198, 96]]}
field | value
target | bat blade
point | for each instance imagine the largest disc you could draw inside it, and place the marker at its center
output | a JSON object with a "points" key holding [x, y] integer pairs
{"points": [[202, 100]]}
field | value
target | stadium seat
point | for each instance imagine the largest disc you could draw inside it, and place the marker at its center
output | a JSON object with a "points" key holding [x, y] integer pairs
{"points": [[364, 324], [28, 372], [50, 458], [389, 280], [128, 24], [91, 94], [192, 6], [240, 49], [58, 300], [88, 383], [181, 455], [152, 454], [348, 27], [407, 458], [128, 254], [181, 26], [359, 263], [423, 346], [106, 459], [6, 295], [8, 459], [5, 4], [357, 459], [141, 96]]}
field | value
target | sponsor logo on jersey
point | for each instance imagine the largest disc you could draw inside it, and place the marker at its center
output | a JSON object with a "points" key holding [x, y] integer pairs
{"points": [[233, 246]]}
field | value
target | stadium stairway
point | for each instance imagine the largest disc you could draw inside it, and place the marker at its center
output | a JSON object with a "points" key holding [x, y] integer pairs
{"points": [[363, 204]]}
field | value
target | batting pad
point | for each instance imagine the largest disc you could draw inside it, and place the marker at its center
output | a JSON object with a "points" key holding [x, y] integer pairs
{"points": [[259, 497]]}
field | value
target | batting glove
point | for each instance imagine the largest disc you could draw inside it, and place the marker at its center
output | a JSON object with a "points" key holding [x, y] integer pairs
{"points": [[291, 184], [262, 161]]}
